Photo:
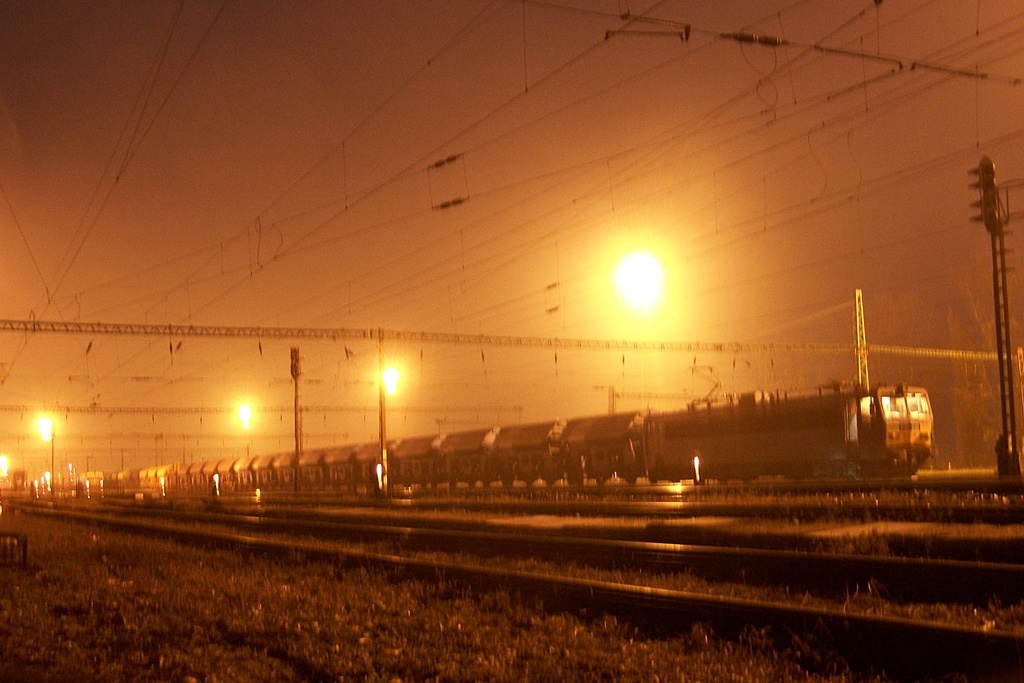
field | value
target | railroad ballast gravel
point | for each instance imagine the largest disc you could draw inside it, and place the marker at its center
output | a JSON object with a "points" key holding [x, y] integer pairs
{"points": [[99, 605]]}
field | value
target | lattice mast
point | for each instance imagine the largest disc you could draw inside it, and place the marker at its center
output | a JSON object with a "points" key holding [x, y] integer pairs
{"points": [[862, 342]]}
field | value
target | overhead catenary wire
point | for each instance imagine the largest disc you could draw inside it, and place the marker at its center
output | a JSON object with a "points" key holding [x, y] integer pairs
{"points": [[134, 144], [425, 269]]}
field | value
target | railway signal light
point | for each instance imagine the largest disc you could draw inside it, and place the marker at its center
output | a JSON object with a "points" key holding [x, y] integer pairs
{"points": [[988, 203], [994, 217]]}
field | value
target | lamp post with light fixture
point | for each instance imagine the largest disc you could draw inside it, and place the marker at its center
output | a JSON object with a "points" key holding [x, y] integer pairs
{"points": [[388, 385], [3, 476], [49, 433], [245, 415], [640, 284]]}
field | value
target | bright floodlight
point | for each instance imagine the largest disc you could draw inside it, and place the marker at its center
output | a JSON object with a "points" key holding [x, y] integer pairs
{"points": [[245, 414], [640, 281], [390, 377], [45, 425], [3, 466]]}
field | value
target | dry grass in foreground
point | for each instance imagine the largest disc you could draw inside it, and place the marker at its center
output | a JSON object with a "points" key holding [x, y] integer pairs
{"points": [[100, 605]]}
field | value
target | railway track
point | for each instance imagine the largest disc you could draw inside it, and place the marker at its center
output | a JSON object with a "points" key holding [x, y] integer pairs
{"points": [[998, 507], [658, 522], [900, 646], [897, 578]]}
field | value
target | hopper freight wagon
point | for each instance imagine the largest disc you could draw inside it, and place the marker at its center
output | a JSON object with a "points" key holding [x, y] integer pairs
{"points": [[836, 432]]}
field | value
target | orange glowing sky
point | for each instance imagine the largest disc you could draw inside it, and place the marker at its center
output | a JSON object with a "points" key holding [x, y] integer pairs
{"points": [[480, 167]]}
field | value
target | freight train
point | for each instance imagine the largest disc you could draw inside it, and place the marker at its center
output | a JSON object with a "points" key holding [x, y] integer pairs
{"points": [[837, 431]]}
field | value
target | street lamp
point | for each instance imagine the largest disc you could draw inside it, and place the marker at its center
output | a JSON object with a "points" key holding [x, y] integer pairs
{"points": [[390, 376], [3, 477], [49, 433], [640, 283], [388, 385], [245, 415]]}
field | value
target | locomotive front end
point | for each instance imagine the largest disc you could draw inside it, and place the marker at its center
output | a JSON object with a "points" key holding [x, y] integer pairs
{"points": [[907, 413]]}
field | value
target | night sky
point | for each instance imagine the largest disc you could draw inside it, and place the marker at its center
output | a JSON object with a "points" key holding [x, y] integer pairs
{"points": [[479, 168]]}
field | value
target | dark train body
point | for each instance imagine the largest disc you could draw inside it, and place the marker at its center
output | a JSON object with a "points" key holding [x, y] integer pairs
{"points": [[837, 431]]}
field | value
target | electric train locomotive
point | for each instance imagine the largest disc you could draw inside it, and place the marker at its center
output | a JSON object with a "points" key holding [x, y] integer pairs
{"points": [[838, 431]]}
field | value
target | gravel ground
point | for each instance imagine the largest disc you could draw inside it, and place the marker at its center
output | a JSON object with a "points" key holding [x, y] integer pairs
{"points": [[95, 605]]}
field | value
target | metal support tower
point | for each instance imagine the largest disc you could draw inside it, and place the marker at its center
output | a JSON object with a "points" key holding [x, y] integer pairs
{"points": [[995, 217], [862, 342]]}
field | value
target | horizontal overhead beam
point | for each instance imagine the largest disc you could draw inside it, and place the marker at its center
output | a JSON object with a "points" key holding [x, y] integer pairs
{"points": [[339, 333]]}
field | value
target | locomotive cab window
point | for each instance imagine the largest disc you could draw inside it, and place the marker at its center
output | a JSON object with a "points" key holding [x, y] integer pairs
{"points": [[893, 407], [918, 405], [867, 405]]}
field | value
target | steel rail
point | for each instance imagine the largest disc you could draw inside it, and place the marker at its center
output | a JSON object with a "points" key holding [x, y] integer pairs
{"points": [[897, 646], [697, 505], [897, 578]]}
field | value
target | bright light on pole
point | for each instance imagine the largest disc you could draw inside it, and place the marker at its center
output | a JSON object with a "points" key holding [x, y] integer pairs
{"points": [[245, 414], [390, 376], [640, 281], [45, 425], [47, 431], [388, 385]]}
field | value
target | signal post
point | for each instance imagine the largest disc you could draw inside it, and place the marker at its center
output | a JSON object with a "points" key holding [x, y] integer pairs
{"points": [[994, 216]]}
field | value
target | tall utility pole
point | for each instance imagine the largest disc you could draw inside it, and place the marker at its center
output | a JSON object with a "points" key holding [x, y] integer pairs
{"points": [[296, 372], [994, 216]]}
